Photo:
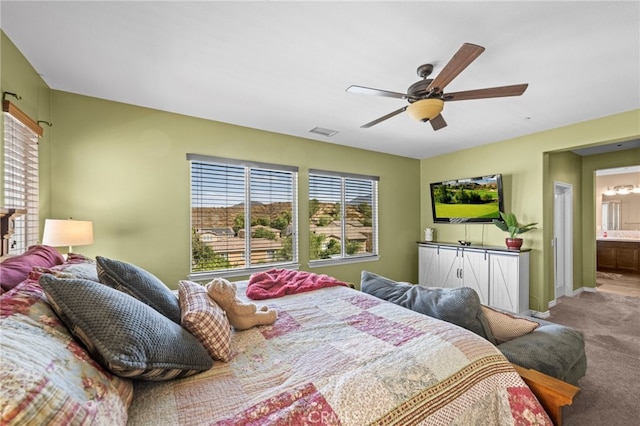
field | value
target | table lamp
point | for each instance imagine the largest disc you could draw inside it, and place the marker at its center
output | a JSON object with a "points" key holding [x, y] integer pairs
{"points": [[59, 232]]}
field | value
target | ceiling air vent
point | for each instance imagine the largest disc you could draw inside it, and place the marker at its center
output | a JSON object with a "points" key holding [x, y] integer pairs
{"points": [[324, 132]]}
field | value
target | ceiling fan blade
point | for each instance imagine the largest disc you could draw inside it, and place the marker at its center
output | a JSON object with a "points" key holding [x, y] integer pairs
{"points": [[438, 122], [384, 117], [377, 92], [463, 57], [491, 92]]}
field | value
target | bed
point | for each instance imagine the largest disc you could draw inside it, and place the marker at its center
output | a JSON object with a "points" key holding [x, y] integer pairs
{"points": [[335, 356], [338, 356]]}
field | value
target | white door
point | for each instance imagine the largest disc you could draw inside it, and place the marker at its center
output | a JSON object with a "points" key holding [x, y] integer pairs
{"points": [[563, 239], [427, 266], [505, 282], [449, 268], [475, 273]]}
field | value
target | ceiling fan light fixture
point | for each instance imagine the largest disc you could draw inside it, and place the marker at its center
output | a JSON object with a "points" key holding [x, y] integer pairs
{"points": [[425, 109]]}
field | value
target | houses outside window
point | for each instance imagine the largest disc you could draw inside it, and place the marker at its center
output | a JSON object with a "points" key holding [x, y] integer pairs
{"points": [[240, 207], [343, 217]]}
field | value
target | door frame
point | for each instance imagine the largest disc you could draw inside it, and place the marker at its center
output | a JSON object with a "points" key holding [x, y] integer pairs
{"points": [[563, 237]]}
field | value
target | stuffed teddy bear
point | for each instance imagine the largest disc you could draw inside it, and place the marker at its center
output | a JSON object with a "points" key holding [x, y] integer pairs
{"points": [[241, 315]]}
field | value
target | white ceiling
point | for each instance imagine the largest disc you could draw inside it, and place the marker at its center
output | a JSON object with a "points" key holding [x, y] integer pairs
{"points": [[284, 66]]}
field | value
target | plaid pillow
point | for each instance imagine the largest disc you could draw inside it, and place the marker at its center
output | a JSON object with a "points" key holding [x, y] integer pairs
{"points": [[205, 320]]}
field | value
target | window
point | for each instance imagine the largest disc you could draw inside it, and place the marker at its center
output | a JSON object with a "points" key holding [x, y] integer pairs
{"points": [[343, 216], [20, 176], [240, 207]]}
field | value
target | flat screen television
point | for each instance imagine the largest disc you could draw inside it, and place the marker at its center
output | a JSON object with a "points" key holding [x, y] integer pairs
{"points": [[478, 199]]}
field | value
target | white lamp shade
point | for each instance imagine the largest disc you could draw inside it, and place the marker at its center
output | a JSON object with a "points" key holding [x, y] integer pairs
{"points": [[58, 233]]}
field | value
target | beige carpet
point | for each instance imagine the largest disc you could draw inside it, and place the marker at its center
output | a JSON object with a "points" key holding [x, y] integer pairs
{"points": [[610, 390]]}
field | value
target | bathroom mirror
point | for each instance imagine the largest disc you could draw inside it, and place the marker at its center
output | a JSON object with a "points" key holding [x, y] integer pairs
{"points": [[620, 212], [611, 215]]}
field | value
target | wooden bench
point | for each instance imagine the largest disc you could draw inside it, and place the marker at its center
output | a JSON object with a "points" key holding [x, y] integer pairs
{"points": [[552, 393]]}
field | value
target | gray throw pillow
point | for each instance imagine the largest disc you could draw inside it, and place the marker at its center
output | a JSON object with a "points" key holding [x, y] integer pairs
{"points": [[460, 306], [123, 334], [142, 285]]}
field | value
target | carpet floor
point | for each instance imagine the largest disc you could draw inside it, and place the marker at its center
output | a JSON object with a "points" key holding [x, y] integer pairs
{"points": [[610, 390]]}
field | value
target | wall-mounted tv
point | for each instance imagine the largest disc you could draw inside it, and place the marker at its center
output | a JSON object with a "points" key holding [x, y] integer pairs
{"points": [[477, 199]]}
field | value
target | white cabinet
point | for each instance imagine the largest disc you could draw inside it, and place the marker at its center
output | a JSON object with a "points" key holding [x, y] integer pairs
{"points": [[475, 272], [446, 266], [509, 277], [427, 264], [465, 268], [449, 268], [500, 277]]}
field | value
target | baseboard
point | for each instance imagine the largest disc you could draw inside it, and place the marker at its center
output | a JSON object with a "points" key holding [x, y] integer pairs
{"points": [[585, 289], [546, 314], [541, 315], [551, 304]]}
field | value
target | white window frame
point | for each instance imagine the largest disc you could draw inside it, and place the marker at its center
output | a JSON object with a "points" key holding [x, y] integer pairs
{"points": [[247, 268], [343, 257]]}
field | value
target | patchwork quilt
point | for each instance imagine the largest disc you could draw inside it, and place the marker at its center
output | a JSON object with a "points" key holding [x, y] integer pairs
{"points": [[337, 356]]}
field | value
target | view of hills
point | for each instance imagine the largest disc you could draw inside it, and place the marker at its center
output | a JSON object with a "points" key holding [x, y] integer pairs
{"points": [[220, 217]]}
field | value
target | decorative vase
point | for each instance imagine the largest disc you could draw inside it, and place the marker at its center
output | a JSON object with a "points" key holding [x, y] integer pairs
{"points": [[514, 243]]}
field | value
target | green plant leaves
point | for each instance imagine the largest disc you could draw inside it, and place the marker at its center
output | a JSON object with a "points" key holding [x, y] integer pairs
{"points": [[509, 223]]}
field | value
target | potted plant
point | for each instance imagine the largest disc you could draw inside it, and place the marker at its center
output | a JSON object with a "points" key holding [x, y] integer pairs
{"points": [[510, 224]]}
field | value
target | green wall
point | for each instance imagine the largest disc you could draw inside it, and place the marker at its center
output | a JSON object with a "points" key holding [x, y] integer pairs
{"points": [[18, 76], [588, 175], [564, 167], [125, 168], [528, 172]]}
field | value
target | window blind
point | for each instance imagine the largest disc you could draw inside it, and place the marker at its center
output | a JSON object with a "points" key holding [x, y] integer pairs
{"points": [[343, 211], [238, 208], [20, 174]]}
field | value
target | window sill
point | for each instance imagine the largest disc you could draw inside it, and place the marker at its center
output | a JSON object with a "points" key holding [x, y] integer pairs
{"points": [[342, 261], [234, 273]]}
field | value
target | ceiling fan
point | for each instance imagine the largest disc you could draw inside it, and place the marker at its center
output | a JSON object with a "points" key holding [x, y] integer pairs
{"points": [[426, 97]]}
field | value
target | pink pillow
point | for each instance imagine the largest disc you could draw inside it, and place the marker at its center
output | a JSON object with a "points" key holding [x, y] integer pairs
{"points": [[16, 269]]}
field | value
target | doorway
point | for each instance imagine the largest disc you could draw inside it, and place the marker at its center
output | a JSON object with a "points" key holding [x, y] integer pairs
{"points": [[563, 239]]}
